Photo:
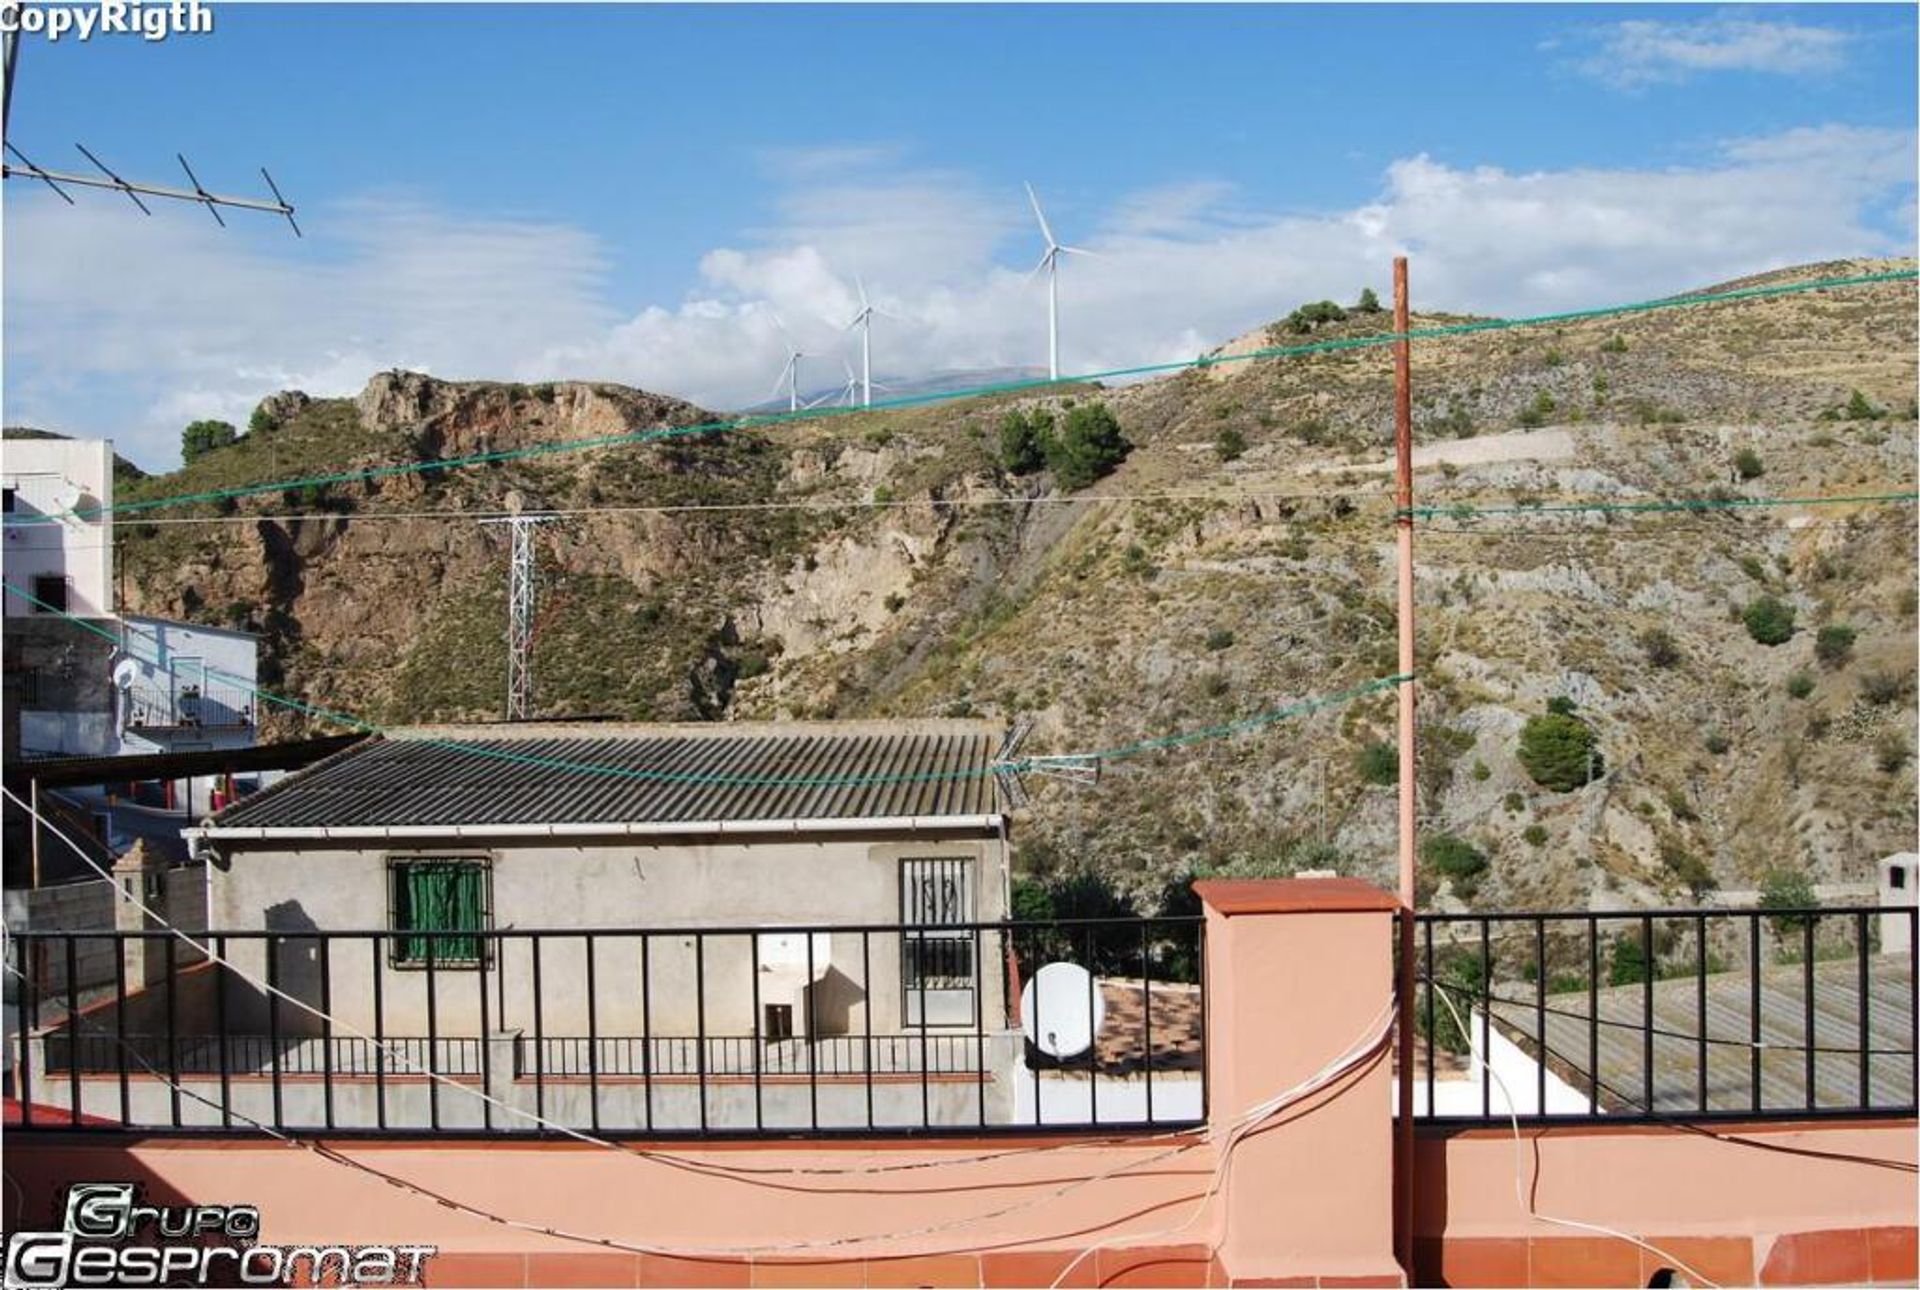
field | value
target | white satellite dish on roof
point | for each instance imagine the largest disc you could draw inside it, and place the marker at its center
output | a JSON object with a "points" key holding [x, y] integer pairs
{"points": [[1061, 1010], [65, 498], [125, 673]]}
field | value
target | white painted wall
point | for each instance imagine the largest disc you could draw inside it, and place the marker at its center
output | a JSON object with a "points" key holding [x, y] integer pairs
{"points": [[1896, 930], [191, 688], [49, 476], [1519, 1073]]}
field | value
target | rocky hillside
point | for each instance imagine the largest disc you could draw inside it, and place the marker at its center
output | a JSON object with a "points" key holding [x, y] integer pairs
{"points": [[1239, 560]]}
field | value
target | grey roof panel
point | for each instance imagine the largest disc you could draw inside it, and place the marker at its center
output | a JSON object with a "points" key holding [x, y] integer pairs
{"points": [[639, 774]]}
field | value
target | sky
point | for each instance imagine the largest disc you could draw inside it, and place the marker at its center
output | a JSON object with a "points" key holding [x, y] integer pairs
{"points": [[635, 194]]}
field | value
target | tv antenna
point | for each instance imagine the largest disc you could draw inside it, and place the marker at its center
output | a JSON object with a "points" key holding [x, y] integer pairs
{"points": [[109, 179]]}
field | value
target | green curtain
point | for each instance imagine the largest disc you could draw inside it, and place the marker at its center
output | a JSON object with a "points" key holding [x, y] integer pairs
{"points": [[441, 898]]}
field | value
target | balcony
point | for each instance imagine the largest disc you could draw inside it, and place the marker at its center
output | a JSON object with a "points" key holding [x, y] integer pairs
{"points": [[162, 711]]}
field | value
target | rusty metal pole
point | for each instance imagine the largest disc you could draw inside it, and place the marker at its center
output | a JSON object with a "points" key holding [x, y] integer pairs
{"points": [[1409, 801]]}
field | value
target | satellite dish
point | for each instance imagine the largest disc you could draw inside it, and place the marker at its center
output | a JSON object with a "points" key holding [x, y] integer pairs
{"points": [[125, 673], [66, 498], [1061, 1010]]}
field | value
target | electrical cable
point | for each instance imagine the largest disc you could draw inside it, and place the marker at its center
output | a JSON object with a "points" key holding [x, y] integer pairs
{"points": [[1521, 1192], [1225, 730], [756, 421], [1261, 1111]]}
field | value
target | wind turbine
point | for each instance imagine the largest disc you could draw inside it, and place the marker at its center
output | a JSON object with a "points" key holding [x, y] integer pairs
{"points": [[864, 321], [791, 372], [1050, 261]]}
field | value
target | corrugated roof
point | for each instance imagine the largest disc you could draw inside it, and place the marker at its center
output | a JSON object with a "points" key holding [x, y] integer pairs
{"points": [[1729, 1029], [638, 774]]}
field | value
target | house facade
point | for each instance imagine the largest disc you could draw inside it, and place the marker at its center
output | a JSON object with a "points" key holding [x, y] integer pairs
{"points": [[702, 894]]}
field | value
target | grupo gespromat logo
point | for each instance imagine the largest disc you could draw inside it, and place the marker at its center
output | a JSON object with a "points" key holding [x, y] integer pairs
{"points": [[107, 1237]]}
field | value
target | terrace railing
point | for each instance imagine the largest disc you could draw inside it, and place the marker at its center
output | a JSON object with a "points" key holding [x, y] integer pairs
{"points": [[1684, 1014], [875, 1028]]}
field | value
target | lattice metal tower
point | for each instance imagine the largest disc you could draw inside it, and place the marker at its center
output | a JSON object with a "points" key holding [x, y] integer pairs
{"points": [[521, 580]]}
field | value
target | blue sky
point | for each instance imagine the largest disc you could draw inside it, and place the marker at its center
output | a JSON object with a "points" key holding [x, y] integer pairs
{"points": [[520, 191]]}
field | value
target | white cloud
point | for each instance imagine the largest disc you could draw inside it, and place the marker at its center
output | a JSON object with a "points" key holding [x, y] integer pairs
{"points": [[1643, 51], [131, 327]]}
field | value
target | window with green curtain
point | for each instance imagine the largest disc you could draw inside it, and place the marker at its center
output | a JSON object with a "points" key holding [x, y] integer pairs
{"points": [[439, 896]]}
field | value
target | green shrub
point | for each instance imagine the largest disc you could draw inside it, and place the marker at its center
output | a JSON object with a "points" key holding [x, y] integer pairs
{"points": [[1024, 441], [1554, 358], [1883, 689], [1788, 889], [1769, 620], [202, 437], [1799, 685], [1859, 409], [1747, 464], [894, 602], [1379, 763], [1219, 638], [1688, 868], [1560, 751], [1561, 706], [262, 422], [1087, 448], [1514, 803], [1480, 771], [1454, 858], [1628, 964], [1661, 649], [1535, 835], [1614, 344], [1833, 645], [1307, 317], [1369, 303], [1230, 444], [1891, 752], [1216, 685], [1717, 743], [1537, 412]]}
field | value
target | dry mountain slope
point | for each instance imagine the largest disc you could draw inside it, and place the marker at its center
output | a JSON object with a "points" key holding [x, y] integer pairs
{"points": [[1112, 618]]}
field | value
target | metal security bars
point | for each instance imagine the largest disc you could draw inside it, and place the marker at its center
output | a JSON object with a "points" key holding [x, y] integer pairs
{"points": [[1659, 1015], [659, 1032]]}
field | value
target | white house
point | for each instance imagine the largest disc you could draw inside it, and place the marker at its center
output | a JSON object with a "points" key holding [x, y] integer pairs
{"points": [[59, 533], [183, 687]]}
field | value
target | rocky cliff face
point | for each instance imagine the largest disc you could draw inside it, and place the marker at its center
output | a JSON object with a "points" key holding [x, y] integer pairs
{"points": [[1239, 561]]}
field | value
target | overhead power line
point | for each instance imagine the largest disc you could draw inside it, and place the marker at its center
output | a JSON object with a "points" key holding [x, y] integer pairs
{"points": [[1258, 721], [774, 419], [1466, 511]]}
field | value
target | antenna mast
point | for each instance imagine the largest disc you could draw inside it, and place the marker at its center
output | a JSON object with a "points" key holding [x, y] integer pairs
{"points": [[520, 600]]}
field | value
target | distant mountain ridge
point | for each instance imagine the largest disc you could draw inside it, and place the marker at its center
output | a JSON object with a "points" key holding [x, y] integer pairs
{"points": [[885, 563]]}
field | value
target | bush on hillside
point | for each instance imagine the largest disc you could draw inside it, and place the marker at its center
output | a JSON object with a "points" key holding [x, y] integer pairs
{"points": [[1661, 649], [1230, 444], [1769, 620], [1456, 859], [1788, 889], [1088, 447], [1024, 440], [1834, 644], [1379, 763], [1560, 751], [202, 437]]}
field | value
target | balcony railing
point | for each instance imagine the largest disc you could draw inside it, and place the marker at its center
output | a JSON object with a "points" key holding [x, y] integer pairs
{"points": [[1692, 1014], [187, 707], [879, 1028]]}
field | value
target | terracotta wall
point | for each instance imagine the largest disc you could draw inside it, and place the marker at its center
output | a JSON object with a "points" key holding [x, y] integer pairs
{"points": [[1829, 1202], [1297, 973]]}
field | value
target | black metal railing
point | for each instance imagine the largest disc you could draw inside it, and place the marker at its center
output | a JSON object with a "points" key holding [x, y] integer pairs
{"points": [[210, 707], [1656, 1015], [876, 1028]]}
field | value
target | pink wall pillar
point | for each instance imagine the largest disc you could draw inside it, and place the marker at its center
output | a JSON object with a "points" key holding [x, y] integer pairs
{"points": [[1300, 972]]}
